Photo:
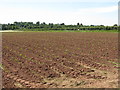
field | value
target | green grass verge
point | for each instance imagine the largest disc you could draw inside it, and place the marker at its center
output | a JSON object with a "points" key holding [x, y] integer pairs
{"points": [[69, 31], [65, 31]]}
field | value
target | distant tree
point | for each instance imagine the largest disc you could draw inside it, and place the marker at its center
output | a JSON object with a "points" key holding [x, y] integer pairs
{"points": [[115, 25], [30, 23], [107, 28], [81, 24], [43, 23], [91, 25], [15, 23], [101, 25], [62, 24], [78, 24], [51, 25], [38, 23]]}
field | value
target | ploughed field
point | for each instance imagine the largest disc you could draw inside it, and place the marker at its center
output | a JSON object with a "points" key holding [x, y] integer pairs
{"points": [[60, 60]]}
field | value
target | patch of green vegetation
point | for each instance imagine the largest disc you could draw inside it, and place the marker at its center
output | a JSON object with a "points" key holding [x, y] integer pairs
{"points": [[18, 85], [1, 66], [79, 83], [97, 31], [114, 63], [69, 31]]}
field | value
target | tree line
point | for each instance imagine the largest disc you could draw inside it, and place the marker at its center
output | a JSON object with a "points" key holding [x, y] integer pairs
{"points": [[43, 26]]}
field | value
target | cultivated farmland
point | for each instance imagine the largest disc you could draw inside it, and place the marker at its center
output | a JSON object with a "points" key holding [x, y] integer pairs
{"points": [[60, 60]]}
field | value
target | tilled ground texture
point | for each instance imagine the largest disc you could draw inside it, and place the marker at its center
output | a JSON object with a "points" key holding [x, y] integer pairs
{"points": [[60, 60]]}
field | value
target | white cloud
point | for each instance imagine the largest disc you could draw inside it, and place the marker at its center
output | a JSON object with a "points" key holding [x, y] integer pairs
{"points": [[100, 9], [85, 16]]}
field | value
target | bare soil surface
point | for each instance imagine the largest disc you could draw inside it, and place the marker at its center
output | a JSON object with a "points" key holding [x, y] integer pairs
{"points": [[60, 60]]}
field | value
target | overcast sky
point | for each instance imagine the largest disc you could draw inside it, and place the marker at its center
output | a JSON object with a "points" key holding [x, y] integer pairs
{"points": [[95, 12]]}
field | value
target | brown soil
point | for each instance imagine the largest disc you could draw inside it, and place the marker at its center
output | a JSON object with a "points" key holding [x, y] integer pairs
{"points": [[60, 60]]}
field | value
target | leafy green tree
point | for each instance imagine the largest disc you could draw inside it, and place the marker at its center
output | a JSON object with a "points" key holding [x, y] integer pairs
{"points": [[115, 25], [38, 23], [81, 24], [62, 24], [78, 24]]}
